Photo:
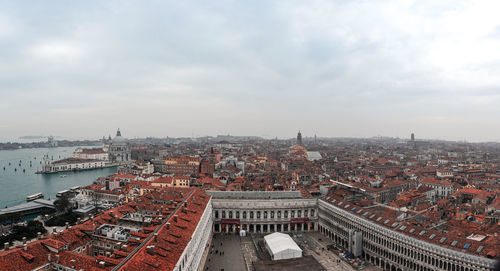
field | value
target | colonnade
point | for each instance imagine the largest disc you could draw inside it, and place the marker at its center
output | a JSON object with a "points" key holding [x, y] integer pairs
{"points": [[391, 250], [265, 227]]}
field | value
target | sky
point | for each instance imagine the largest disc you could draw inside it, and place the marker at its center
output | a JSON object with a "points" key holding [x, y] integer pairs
{"points": [[82, 69]]}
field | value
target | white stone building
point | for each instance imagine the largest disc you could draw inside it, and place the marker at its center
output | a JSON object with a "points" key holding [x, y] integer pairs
{"points": [[119, 150]]}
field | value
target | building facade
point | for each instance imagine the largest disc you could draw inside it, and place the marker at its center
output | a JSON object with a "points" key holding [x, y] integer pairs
{"points": [[249, 212], [390, 249]]}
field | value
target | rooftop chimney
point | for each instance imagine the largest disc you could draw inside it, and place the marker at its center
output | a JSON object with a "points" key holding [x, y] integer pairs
{"points": [[25, 247], [57, 258], [24, 240], [54, 230], [78, 220], [175, 218], [73, 264], [48, 257], [102, 264], [6, 245], [168, 225], [67, 225], [38, 235], [150, 250], [156, 236]]}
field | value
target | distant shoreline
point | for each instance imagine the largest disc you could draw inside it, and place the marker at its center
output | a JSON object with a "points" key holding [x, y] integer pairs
{"points": [[60, 143]]}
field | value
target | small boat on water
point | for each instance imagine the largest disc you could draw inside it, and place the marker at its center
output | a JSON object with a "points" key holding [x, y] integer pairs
{"points": [[34, 196], [62, 176], [63, 193]]}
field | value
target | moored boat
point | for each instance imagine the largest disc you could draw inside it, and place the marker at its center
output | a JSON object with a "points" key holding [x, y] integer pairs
{"points": [[34, 196], [63, 193]]}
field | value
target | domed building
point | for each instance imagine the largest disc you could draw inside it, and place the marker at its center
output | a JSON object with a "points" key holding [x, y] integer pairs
{"points": [[299, 151], [119, 150]]}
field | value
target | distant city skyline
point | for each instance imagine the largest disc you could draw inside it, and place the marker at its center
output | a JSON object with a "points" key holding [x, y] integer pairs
{"points": [[331, 68], [308, 138]]}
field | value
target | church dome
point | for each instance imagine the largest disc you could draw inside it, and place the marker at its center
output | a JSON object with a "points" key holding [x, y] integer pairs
{"points": [[118, 138]]}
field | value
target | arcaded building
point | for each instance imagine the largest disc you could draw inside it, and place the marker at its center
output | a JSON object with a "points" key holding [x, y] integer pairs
{"points": [[385, 241]]}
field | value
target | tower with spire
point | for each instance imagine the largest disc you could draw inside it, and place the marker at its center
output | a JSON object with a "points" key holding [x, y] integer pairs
{"points": [[299, 139]]}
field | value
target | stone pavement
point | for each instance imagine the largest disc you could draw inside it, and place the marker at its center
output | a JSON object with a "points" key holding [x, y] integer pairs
{"points": [[226, 254], [249, 253], [328, 259]]}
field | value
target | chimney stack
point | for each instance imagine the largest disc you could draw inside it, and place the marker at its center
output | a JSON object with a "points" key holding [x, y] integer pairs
{"points": [[185, 204], [48, 257], [6, 246], [25, 247], [57, 258], [102, 264], [150, 250], [168, 225], [38, 235], [175, 218], [73, 264], [78, 220], [156, 236], [24, 240], [67, 225]]}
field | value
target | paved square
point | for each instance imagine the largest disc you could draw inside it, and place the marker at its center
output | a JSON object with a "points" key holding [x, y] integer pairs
{"points": [[225, 254]]}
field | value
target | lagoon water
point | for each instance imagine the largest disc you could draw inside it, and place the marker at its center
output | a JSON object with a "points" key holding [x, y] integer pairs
{"points": [[15, 186]]}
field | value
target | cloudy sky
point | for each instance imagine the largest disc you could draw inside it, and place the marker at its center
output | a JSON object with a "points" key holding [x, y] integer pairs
{"points": [[266, 68]]}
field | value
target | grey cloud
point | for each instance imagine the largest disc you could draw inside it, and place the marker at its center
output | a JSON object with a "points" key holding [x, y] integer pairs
{"points": [[249, 65]]}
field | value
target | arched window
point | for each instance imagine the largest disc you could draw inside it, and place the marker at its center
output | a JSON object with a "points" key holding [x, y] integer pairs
{"points": [[244, 214], [216, 214], [223, 214], [238, 214], [230, 214], [251, 215]]}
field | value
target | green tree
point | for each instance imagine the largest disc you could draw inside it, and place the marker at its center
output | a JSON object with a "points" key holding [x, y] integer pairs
{"points": [[62, 204]]}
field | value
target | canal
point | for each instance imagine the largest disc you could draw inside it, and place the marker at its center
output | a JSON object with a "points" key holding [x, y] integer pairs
{"points": [[19, 180]]}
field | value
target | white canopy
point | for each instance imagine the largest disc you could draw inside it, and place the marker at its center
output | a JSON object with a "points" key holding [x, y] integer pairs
{"points": [[281, 246]]}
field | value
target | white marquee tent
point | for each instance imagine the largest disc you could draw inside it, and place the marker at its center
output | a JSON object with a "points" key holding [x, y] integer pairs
{"points": [[281, 246]]}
